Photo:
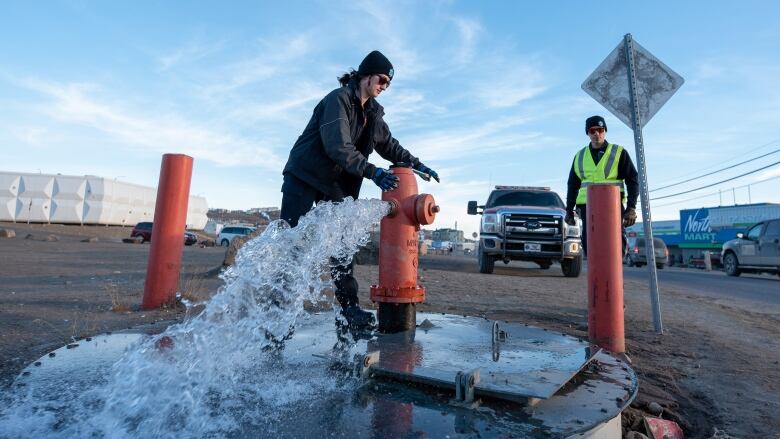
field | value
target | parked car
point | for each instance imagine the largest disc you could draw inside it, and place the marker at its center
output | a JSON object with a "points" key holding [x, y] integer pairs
{"points": [[637, 255], [190, 238], [757, 251], [144, 231], [227, 234]]}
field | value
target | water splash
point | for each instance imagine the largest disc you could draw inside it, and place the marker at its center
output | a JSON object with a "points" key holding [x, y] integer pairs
{"points": [[213, 374]]}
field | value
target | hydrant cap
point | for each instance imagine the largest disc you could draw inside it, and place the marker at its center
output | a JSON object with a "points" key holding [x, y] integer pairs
{"points": [[425, 209]]}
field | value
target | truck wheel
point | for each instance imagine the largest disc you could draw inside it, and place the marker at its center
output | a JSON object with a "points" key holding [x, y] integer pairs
{"points": [[486, 263], [225, 243], [731, 265], [572, 267]]}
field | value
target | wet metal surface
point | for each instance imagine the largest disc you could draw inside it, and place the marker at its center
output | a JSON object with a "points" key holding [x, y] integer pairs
{"points": [[81, 363], [518, 362], [533, 360]]}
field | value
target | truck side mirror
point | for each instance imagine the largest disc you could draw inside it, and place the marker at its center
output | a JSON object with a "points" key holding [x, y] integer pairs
{"points": [[472, 208]]}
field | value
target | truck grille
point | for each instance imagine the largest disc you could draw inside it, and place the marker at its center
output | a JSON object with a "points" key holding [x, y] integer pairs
{"points": [[536, 228]]}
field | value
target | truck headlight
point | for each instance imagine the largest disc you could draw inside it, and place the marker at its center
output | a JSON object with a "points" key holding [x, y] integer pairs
{"points": [[573, 231], [490, 223]]}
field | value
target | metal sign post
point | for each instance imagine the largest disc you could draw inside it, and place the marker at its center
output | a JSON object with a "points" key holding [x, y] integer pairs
{"points": [[633, 85], [644, 194]]}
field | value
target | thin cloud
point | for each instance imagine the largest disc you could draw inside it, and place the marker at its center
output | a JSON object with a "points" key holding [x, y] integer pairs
{"points": [[293, 105], [390, 29], [188, 54], [469, 31], [74, 104], [463, 141], [32, 135], [273, 59], [511, 85]]}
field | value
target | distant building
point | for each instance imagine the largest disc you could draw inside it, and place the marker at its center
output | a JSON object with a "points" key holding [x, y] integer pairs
{"points": [[262, 209], [84, 199], [706, 228], [451, 235], [426, 235]]}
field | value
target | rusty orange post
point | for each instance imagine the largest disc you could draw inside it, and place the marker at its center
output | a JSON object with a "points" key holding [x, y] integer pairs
{"points": [[605, 268], [170, 219], [397, 291]]}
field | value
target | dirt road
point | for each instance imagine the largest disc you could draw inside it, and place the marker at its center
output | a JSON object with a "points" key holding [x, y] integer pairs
{"points": [[716, 367]]}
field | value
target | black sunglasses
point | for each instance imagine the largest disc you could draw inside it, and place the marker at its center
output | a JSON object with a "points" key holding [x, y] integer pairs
{"points": [[383, 80]]}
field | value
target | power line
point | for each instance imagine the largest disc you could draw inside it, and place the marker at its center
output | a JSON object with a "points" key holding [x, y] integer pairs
{"points": [[715, 172], [716, 193], [714, 184], [735, 158]]}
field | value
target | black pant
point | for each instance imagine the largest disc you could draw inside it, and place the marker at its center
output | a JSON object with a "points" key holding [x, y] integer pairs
{"points": [[582, 211], [297, 199]]}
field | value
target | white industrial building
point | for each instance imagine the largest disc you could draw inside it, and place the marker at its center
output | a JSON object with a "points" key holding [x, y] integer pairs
{"points": [[89, 199]]}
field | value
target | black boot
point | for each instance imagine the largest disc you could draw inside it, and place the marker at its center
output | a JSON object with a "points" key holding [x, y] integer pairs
{"points": [[347, 295], [358, 319]]}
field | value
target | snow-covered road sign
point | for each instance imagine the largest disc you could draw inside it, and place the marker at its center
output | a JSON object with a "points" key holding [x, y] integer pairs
{"points": [[655, 84]]}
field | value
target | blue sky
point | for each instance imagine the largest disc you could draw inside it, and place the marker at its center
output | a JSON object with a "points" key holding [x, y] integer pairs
{"points": [[486, 93]]}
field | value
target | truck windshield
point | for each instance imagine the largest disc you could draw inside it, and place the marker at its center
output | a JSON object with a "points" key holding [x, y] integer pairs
{"points": [[538, 199]]}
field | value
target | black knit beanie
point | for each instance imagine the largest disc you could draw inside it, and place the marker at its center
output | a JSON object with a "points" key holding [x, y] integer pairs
{"points": [[595, 121], [374, 64]]}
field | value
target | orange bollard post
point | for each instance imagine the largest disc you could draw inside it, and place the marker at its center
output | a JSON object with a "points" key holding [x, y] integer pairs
{"points": [[605, 268], [397, 291], [170, 218]]}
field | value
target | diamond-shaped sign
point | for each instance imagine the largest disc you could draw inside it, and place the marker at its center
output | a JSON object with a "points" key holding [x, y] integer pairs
{"points": [[655, 84]]}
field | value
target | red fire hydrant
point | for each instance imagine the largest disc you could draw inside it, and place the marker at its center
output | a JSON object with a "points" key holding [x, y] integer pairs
{"points": [[397, 292]]}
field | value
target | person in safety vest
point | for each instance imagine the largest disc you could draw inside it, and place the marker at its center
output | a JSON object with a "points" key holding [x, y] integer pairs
{"points": [[601, 162], [330, 160]]}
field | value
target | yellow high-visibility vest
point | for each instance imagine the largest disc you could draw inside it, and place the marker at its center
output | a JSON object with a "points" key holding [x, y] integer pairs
{"points": [[605, 171]]}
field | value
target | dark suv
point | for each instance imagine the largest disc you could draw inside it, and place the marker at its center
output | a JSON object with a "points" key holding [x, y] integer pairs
{"points": [[144, 231], [637, 255]]}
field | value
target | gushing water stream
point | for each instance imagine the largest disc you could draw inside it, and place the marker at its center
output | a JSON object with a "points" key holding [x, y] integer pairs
{"points": [[215, 373]]}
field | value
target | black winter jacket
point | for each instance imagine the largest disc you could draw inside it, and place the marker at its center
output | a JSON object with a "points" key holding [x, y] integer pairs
{"points": [[331, 154]]}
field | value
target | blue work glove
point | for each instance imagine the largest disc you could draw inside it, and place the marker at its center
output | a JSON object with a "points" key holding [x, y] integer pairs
{"points": [[385, 180], [426, 170]]}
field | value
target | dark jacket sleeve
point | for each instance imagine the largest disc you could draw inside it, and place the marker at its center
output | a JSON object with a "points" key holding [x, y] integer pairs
{"points": [[389, 148], [336, 137], [627, 173], [573, 184]]}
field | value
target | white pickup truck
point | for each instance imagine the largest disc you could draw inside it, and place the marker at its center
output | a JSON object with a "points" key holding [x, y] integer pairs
{"points": [[526, 224]]}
